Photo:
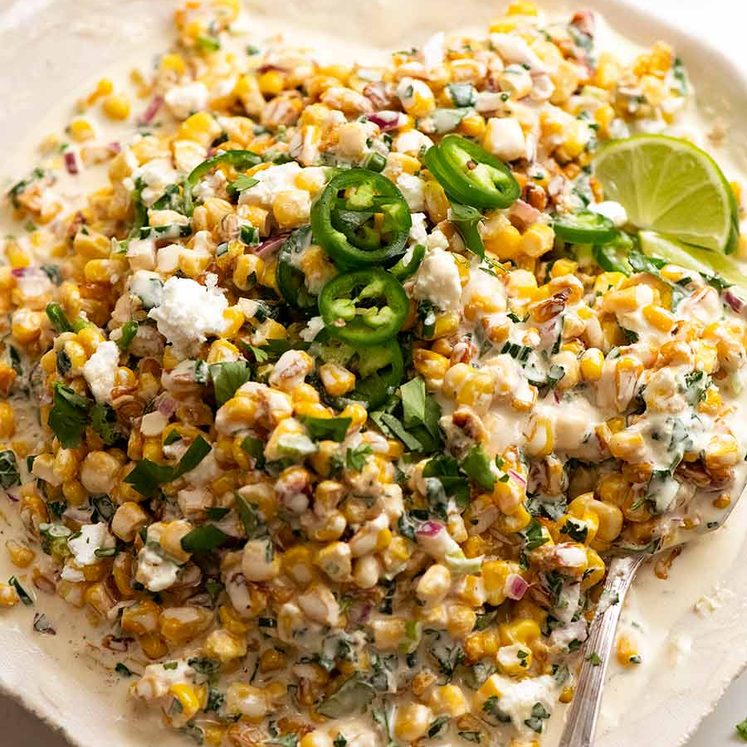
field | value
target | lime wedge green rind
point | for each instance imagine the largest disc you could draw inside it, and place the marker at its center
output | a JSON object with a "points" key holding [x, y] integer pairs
{"points": [[692, 258], [670, 186]]}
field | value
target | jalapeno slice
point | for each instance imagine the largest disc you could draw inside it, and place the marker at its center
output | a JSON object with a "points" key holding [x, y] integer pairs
{"points": [[613, 256], [470, 175], [239, 159], [585, 227], [378, 370], [364, 307], [361, 219], [291, 281], [407, 267]]}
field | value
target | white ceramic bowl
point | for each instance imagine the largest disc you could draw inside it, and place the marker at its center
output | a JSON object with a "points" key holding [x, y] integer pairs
{"points": [[51, 51]]}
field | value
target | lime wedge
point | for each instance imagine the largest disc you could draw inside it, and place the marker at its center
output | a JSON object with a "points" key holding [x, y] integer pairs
{"points": [[692, 258], [670, 186]]}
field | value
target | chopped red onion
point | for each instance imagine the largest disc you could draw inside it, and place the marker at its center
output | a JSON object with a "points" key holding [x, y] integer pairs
{"points": [[71, 163], [114, 148], [524, 212], [736, 303], [268, 246], [429, 529], [149, 114], [377, 95], [387, 120], [18, 272], [13, 496], [518, 477], [166, 406], [515, 586]]}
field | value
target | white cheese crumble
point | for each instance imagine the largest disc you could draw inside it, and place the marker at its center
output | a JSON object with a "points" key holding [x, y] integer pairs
{"points": [[189, 312], [519, 698], [91, 537], [438, 280], [612, 210], [100, 370], [412, 190], [156, 174], [154, 571], [184, 100], [504, 138], [270, 182]]}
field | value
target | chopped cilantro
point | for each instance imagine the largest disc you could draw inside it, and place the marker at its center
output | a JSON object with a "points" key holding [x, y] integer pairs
{"points": [[228, 377], [333, 429]]}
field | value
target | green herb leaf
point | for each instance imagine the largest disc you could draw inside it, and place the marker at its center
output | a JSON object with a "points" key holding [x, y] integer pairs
{"points": [[129, 330], [255, 448], [104, 422], [248, 514], [533, 536], [288, 740], [228, 377], [204, 665], [476, 466], [197, 451], [356, 458], [466, 219], [216, 513], [22, 593], [237, 186], [9, 475], [204, 539], [594, 659], [392, 426], [148, 476], [419, 409], [123, 670], [57, 317], [172, 437], [69, 415], [741, 728], [353, 696], [333, 429]]}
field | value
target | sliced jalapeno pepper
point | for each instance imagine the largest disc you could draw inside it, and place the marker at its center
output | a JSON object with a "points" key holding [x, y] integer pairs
{"points": [[404, 269], [361, 219], [239, 159], [291, 281], [585, 227], [470, 175], [613, 257], [378, 369], [365, 307]]}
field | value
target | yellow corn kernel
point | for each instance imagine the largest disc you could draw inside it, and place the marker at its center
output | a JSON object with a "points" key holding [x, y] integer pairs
{"points": [[432, 366], [26, 326], [201, 128], [473, 125], [191, 698], [8, 595], [628, 446], [722, 452], [659, 317], [590, 364], [248, 268], [412, 722], [540, 437], [626, 651], [336, 379], [271, 83], [7, 420], [80, 129], [116, 106], [357, 414], [563, 266], [595, 569], [491, 688], [291, 208], [21, 555], [448, 699], [494, 575], [537, 240], [225, 646]]}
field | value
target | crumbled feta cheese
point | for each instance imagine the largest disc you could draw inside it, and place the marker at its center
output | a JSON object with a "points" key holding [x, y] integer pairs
{"points": [[100, 370], [313, 327], [438, 280], [519, 698], [412, 190], [153, 423], [514, 49], [156, 175], [418, 231], [270, 182], [91, 537], [612, 210], [432, 53], [187, 99], [189, 312], [148, 287], [490, 101], [154, 571], [504, 138], [33, 282], [437, 240], [167, 259]]}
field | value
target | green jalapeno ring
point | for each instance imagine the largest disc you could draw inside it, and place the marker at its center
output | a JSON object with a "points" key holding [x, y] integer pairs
{"points": [[470, 175], [348, 305], [585, 227], [342, 224], [405, 269], [378, 369], [291, 281], [239, 159]]}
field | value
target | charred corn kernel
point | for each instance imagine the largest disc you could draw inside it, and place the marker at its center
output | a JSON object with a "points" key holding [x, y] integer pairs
{"points": [[540, 437], [80, 129], [116, 106], [336, 379], [201, 128], [271, 660], [99, 598], [626, 651], [448, 699]]}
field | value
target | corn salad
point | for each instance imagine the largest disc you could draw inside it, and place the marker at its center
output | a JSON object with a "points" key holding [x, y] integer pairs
{"points": [[328, 504]]}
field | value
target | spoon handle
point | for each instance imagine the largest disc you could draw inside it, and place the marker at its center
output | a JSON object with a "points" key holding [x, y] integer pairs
{"points": [[582, 717]]}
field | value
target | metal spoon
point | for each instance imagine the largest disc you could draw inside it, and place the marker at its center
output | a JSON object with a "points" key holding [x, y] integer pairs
{"points": [[581, 719]]}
